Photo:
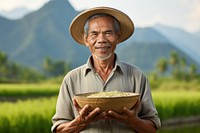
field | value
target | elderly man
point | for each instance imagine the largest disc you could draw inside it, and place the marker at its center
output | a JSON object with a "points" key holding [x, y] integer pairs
{"points": [[101, 29]]}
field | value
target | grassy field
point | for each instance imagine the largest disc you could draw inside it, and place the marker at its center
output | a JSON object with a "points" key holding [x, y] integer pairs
{"points": [[34, 115], [20, 90], [29, 116], [171, 104]]}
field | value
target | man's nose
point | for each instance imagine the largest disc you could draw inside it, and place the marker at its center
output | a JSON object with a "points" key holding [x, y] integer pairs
{"points": [[101, 38]]}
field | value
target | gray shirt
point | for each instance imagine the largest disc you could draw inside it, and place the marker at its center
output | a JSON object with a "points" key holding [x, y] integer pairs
{"points": [[124, 77]]}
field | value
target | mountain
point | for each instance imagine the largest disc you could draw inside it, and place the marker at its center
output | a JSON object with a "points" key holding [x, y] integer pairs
{"points": [[44, 33], [187, 42], [147, 35], [16, 13], [146, 47]]}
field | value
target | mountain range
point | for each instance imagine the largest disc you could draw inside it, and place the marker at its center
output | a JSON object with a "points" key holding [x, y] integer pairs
{"points": [[44, 33], [187, 42]]}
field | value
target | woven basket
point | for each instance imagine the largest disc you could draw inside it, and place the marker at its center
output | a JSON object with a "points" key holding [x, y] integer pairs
{"points": [[107, 103]]}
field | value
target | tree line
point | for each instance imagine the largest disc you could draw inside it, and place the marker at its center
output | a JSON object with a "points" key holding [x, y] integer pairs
{"points": [[177, 67], [12, 72]]}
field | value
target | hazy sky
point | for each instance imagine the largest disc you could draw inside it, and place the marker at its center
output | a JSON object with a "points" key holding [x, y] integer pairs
{"points": [[184, 14]]}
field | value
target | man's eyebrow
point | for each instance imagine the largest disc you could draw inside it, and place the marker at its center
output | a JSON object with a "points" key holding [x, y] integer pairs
{"points": [[93, 31], [108, 31]]}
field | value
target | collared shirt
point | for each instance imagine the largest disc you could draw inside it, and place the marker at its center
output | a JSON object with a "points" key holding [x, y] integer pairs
{"points": [[124, 77]]}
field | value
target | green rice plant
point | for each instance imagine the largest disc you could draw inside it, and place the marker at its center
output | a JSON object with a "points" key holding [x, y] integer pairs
{"points": [[30, 116], [173, 104], [17, 90], [170, 85]]}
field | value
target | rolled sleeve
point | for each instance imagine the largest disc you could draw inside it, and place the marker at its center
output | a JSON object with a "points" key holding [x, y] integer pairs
{"points": [[64, 107], [147, 109], [56, 124]]}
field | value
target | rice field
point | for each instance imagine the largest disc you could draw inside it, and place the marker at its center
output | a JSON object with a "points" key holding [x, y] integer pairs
{"points": [[20, 90], [29, 116], [172, 104], [34, 115]]}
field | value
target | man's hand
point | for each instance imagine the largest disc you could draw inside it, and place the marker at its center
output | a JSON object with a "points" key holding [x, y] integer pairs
{"points": [[126, 116], [85, 117], [130, 118]]}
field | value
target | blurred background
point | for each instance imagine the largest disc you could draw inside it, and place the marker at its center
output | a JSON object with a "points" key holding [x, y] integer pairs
{"points": [[37, 51]]}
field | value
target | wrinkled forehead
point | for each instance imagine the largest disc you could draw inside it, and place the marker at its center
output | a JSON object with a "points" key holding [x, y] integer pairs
{"points": [[114, 22], [101, 22], [100, 15]]}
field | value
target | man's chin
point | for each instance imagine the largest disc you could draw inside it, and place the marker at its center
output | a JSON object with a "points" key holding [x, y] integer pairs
{"points": [[103, 57]]}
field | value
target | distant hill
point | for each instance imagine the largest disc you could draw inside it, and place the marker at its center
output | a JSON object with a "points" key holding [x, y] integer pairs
{"points": [[41, 34], [187, 42], [145, 48], [44, 33]]}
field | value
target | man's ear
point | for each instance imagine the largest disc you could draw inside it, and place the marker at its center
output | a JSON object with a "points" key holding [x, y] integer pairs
{"points": [[85, 40], [118, 36]]}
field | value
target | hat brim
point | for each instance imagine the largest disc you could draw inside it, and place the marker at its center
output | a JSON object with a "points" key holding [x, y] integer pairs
{"points": [[78, 23]]}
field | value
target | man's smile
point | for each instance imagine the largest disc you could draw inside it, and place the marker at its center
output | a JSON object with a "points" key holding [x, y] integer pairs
{"points": [[103, 48]]}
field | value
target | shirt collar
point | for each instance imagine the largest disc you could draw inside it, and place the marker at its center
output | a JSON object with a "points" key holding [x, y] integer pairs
{"points": [[118, 66]]}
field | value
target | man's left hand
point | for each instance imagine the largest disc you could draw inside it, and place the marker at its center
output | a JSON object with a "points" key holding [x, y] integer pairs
{"points": [[126, 116]]}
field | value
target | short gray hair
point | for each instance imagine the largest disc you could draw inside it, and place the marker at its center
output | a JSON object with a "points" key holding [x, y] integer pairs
{"points": [[115, 22]]}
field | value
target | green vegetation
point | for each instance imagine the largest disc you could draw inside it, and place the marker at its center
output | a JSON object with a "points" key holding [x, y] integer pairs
{"points": [[170, 84], [172, 104], [28, 90], [30, 116], [53, 69], [178, 66], [13, 72], [35, 115]]}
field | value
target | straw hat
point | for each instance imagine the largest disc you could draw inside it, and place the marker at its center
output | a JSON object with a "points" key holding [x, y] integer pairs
{"points": [[78, 23]]}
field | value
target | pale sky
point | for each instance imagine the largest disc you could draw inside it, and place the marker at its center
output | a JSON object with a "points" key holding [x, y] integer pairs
{"points": [[184, 14]]}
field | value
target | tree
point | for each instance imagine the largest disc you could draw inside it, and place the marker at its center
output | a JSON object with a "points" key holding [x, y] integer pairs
{"points": [[3, 65], [174, 61], [58, 68], [14, 71], [183, 68], [3, 58], [162, 65], [47, 66], [55, 68], [193, 70], [174, 58]]}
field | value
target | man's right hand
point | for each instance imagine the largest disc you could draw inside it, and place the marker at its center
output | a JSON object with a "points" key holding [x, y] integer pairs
{"points": [[85, 117]]}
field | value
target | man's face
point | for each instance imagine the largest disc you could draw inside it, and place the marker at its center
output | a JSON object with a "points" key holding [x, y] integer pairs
{"points": [[102, 38]]}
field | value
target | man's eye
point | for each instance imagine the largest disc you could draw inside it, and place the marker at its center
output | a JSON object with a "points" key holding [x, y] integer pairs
{"points": [[94, 34], [109, 33]]}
